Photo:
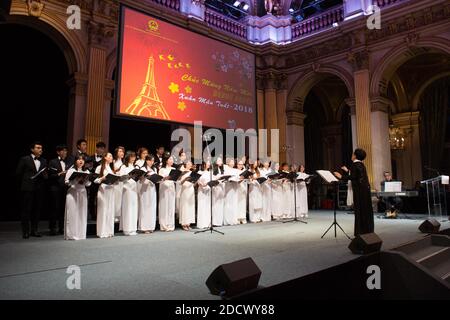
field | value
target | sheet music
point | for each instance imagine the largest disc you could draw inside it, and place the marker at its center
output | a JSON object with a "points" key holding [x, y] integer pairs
{"points": [[327, 176]]}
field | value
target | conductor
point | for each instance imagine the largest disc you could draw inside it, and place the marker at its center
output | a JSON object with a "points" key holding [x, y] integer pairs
{"points": [[362, 202]]}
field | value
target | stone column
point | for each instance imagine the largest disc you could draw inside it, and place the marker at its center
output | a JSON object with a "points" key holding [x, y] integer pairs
{"points": [[95, 97], [295, 136], [77, 109], [409, 161], [360, 63], [270, 107], [260, 102], [381, 149], [97, 122], [352, 104], [109, 88], [281, 114]]}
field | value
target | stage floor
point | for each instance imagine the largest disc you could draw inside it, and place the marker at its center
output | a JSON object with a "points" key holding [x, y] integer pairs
{"points": [[175, 265]]}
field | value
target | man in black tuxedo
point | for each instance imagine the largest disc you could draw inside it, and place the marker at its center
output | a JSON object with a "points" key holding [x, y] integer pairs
{"points": [[56, 174], [362, 201], [92, 163], [159, 156], [31, 176]]}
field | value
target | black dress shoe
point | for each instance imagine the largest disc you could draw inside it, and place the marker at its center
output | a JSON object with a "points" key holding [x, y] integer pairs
{"points": [[52, 232], [26, 235], [35, 234]]}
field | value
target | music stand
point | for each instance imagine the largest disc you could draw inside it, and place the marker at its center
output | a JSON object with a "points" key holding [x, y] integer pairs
{"points": [[331, 179], [211, 227], [293, 177]]}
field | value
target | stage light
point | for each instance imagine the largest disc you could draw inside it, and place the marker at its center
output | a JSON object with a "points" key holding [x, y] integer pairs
{"points": [[236, 3], [291, 10], [245, 7]]}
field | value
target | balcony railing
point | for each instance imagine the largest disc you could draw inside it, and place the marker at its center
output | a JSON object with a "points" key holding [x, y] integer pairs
{"points": [[316, 23], [384, 3], [224, 23]]}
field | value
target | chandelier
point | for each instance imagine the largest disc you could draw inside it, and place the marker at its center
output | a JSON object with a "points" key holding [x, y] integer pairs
{"points": [[397, 138]]}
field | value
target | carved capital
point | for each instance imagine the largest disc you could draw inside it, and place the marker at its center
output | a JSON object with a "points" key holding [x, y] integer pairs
{"points": [[282, 82], [99, 33], [78, 84], [295, 117], [359, 60], [351, 102], [380, 104]]}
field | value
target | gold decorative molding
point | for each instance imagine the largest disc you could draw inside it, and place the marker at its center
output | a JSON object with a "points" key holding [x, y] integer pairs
{"points": [[35, 8]]}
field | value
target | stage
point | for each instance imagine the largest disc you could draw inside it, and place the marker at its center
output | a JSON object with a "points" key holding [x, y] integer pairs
{"points": [[175, 265]]}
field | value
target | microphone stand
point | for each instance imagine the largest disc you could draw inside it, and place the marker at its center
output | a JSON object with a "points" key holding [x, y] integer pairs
{"points": [[211, 227], [295, 206]]}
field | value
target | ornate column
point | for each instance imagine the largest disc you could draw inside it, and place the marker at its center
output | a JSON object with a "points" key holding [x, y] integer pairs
{"points": [[109, 88], [409, 161], [360, 63], [381, 149], [77, 109], [281, 113], [96, 120], [295, 136], [352, 104], [270, 106], [260, 101]]}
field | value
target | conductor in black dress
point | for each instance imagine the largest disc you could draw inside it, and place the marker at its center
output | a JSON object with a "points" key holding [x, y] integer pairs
{"points": [[31, 177], [362, 201]]}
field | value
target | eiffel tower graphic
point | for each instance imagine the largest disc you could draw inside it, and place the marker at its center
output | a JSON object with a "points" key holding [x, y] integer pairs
{"points": [[148, 102]]}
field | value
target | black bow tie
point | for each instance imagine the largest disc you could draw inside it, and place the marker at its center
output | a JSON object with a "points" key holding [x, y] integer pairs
{"points": [[37, 158]]}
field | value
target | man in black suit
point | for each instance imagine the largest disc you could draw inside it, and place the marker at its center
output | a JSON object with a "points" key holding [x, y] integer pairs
{"points": [[362, 201], [159, 156], [31, 176], [92, 163], [57, 172]]}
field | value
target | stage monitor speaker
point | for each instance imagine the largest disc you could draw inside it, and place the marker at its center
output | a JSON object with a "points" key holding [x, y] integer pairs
{"points": [[365, 243], [430, 226], [234, 278]]}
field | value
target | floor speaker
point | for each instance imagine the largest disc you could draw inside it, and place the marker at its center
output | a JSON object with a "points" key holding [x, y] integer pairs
{"points": [[430, 226], [234, 278], [365, 243]]}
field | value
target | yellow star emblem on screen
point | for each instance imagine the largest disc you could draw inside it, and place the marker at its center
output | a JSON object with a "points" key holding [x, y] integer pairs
{"points": [[174, 87], [182, 105]]}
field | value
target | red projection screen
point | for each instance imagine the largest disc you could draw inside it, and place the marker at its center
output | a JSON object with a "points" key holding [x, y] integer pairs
{"points": [[171, 74]]}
